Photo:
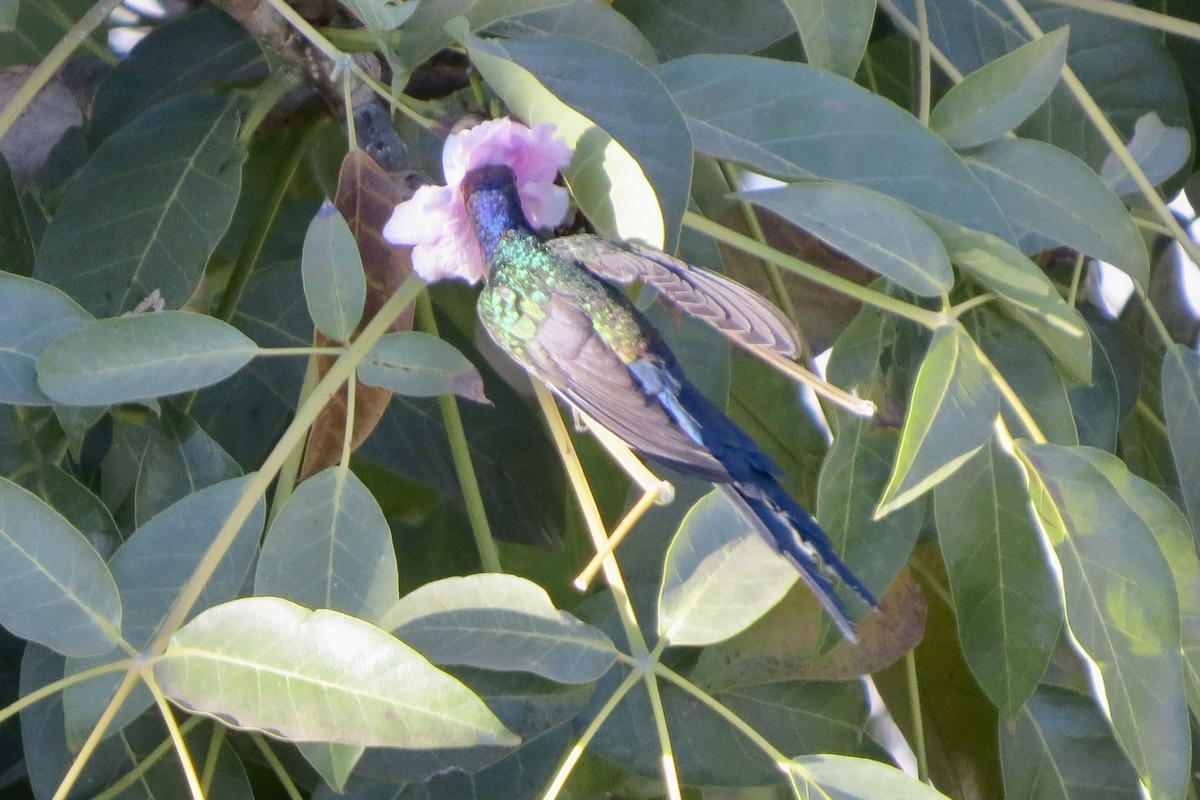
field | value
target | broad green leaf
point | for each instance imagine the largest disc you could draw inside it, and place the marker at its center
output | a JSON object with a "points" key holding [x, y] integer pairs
{"points": [[148, 209], [1053, 199], [1060, 749], [794, 121], [842, 778], [950, 415], [834, 32], [8, 14], [853, 477], [419, 364], [1005, 600], [1024, 287], [1124, 66], [266, 664], [35, 314], [1159, 151], [1120, 600], [66, 495], [330, 547], [632, 168], [16, 242], [334, 284], [335, 761], [150, 569], [597, 22], [720, 575], [425, 33], [678, 29], [140, 357], [382, 15], [1097, 404], [57, 590], [873, 229], [189, 53], [1029, 370], [500, 622], [1001, 94], [1181, 412], [178, 458]]}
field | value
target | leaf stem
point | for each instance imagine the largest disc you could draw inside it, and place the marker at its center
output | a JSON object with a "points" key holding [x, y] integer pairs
{"points": [[814, 273], [1010, 396], [49, 66], [276, 766], [93, 739], [176, 736], [589, 733], [914, 709], [338, 373], [925, 72], [148, 761], [24, 702], [1142, 16], [460, 451]]}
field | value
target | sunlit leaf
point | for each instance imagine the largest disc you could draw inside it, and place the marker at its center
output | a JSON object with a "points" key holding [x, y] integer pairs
{"points": [[419, 364], [382, 15], [1005, 601], [842, 778], [954, 403], [329, 546], [57, 590], [1121, 604], [35, 315], [1158, 150], [140, 357], [721, 574], [334, 284], [1001, 94], [834, 32], [500, 622], [148, 209], [633, 155], [263, 663]]}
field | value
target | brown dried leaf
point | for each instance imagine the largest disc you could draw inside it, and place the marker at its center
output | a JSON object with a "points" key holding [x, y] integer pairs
{"points": [[366, 196]]}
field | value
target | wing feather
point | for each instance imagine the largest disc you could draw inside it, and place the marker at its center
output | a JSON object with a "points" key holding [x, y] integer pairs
{"points": [[743, 315]]}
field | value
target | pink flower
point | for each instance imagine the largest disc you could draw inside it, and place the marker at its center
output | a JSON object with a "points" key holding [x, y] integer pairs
{"points": [[435, 220]]}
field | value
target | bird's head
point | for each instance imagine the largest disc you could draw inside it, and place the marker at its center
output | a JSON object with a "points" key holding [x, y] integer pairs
{"points": [[501, 158]]}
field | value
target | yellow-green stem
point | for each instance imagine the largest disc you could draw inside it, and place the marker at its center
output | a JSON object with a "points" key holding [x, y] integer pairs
{"points": [[295, 459], [168, 718], [460, 451], [59, 685], [52, 63], [912, 32], [322, 393], [1010, 396], [914, 710], [814, 273], [212, 756], [276, 766], [146, 762], [93, 739], [925, 72], [1141, 16]]}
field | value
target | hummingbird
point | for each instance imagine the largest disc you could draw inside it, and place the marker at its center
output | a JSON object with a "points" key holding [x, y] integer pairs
{"points": [[554, 305]]}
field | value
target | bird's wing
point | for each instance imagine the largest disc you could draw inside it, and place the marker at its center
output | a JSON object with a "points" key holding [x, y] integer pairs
{"points": [[571, 357], [743, 315]]}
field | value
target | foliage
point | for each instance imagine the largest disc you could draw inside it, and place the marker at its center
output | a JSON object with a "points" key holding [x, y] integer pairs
{"points": [[259, 536]]}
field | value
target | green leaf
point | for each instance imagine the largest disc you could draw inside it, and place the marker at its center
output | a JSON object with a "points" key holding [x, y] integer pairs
{"points": [[1001, 94], [266, 664], [425, 33], [503, 623], [148, 209], [330, 547], [1024, 287], [793, 121], [873, 229], [1005, 601], [57, 590], [1120, 601], [140, 357], [1060, 747], [677, 29], [16, 242], [334, 284], [8, 14], [597, 22], [720, 575], [834, 32], [1181, 412], [842, 778], [35, 315], [150, 569], [1159, 151], [419, 364], [188, 53], [1097, 404], [382, 15], [950, 415], [1052, 199], [632, 168], [66, 495]]}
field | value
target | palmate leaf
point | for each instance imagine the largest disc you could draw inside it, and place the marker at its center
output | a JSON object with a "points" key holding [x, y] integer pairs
{"points": [[264, 663], [1121, 604]]}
